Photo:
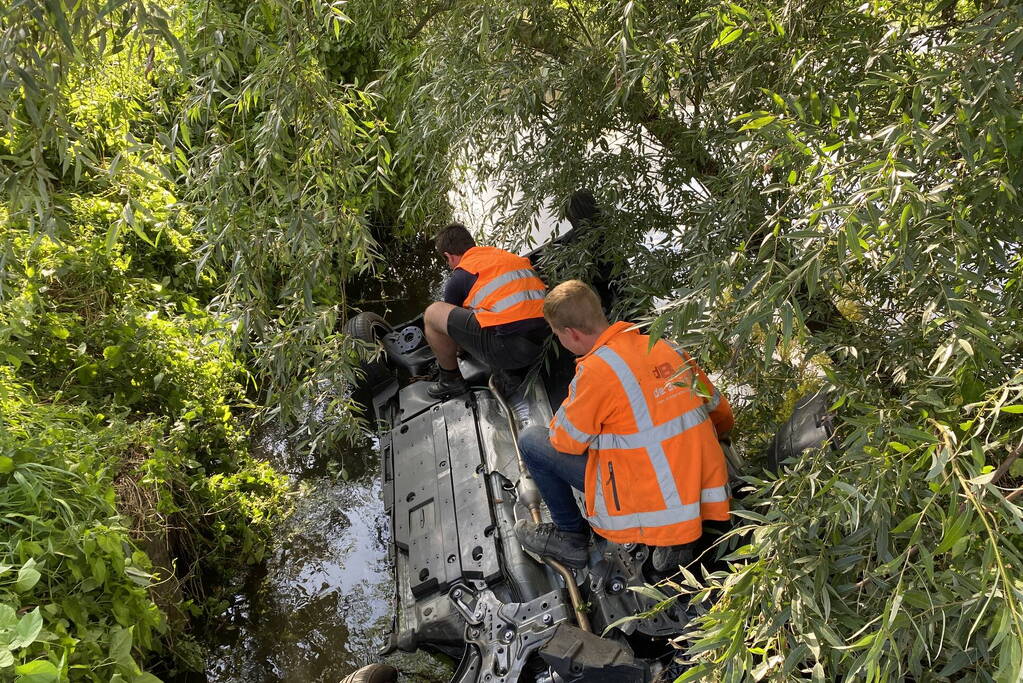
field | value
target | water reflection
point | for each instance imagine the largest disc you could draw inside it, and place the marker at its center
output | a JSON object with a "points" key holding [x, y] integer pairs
{"points": [[320, 606]]}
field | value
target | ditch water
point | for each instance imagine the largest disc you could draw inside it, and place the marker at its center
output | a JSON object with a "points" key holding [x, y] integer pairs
{"points": [[321, 604]]}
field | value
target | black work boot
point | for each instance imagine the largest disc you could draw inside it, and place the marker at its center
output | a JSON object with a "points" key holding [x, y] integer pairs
{"points": [[448, 384], [547, 540]]}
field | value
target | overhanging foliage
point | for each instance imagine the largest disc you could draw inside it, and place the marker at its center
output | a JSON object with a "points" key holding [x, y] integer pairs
{"points": [[831, 192]]}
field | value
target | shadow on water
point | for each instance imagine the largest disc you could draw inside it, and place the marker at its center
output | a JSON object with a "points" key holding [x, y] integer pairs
{"points": [[410, 277], [320, 605]]}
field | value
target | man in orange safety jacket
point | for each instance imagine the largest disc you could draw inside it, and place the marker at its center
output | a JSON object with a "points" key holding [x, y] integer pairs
{"points": [[492, 308], [637, 433]]}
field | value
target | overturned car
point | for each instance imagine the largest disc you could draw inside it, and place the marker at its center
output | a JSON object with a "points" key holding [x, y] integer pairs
{"points": [[454, 487]]}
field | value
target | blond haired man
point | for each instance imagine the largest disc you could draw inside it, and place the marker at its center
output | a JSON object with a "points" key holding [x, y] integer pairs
{"points": [[637, 433]]}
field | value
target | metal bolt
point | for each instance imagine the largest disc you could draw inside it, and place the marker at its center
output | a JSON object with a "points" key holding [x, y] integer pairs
{"points": [[457, 594], [547, 619], [473, 633], [617, 586], [508, 635]]}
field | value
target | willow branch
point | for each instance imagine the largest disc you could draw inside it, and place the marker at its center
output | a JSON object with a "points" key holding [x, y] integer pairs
{"points": [[439, 7], [582, 25], [1006, 464]]}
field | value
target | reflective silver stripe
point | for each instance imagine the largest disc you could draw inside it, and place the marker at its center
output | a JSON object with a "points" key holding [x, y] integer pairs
{"points": [[499, 282], [716, 494], [561, 420], [655, 435], [644, 423], [517, 298], [630, 384], [575, 382], [655, 518], [714, 401]]}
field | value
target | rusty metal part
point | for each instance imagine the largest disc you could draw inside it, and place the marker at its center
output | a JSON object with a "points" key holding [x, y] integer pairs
{"points": [[573, 593]]}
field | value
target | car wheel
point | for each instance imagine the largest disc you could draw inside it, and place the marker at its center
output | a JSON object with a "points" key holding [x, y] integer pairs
{"points": [[370, 327], [374, 673]]}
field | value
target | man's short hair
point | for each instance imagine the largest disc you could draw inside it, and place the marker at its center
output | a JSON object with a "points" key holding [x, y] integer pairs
{"points": [[574, 304], [455, 238]]}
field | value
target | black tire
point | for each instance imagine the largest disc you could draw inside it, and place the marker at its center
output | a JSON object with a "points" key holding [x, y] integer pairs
{"points": [[374, 673], [369, 327]]}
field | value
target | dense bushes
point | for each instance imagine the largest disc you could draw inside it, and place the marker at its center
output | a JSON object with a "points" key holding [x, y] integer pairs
{"points": [[185, 189], [73, 585], [126, 487], [127, 494]]}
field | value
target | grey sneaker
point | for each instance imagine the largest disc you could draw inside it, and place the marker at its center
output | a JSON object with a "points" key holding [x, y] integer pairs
{"points": [[547, 540], [449, 383]]}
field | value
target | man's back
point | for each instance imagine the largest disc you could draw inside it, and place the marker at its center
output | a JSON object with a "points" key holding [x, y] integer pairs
{"points": [[648, 417], [506, 289]]}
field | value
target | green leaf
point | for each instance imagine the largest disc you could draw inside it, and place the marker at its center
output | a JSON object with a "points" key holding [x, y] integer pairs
{"points": [[113, 232], [27, 630], [6, 464], [728, 34], [649, 592], [37, 671], [6, 658], [113, 355], [1013, 409], [758, 123], [954, 532], [146, 677], [861, 643], [907, 523], [8, 617], [120, 649], [28, 576]]}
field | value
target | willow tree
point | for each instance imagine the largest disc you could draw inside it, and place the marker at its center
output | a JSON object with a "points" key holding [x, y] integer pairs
{"points": [[828, 192], [285, 159]]}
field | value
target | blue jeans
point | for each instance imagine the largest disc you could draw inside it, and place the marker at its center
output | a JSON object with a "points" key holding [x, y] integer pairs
{"points": [[555, 474]]}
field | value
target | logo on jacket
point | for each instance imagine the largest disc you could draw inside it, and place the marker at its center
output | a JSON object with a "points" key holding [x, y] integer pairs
{"points": [[664, 371]]}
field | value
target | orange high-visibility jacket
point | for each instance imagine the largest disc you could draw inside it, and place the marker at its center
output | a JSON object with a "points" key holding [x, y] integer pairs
{"points": [[507, 288], [650, 420]]}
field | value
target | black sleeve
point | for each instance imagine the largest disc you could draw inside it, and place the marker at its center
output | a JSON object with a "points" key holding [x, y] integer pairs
{"points": [[457, 287]]}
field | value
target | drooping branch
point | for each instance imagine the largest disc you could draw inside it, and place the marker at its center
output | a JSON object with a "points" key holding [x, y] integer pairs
{"points": [[674, 136], [431, 13]]}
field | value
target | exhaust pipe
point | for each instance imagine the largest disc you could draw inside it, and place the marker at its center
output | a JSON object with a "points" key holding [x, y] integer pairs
{"points": [[529, 494]]}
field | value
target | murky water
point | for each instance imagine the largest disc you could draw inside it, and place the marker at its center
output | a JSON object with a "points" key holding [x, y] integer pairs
{"points": [[320, 606]]}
